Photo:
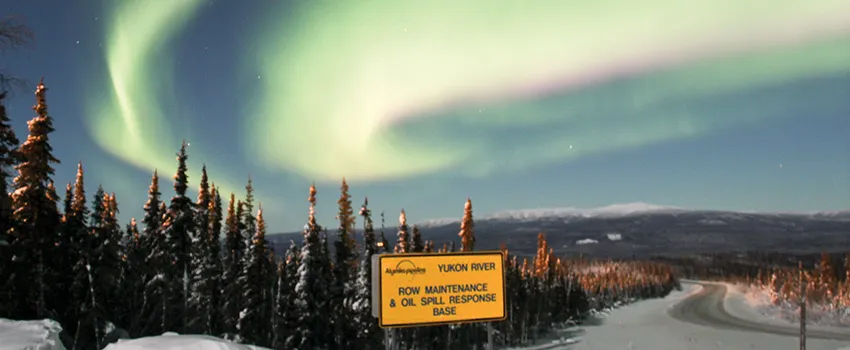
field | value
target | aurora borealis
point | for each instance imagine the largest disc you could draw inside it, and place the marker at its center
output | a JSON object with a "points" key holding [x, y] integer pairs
{"points": [[416, 101]]}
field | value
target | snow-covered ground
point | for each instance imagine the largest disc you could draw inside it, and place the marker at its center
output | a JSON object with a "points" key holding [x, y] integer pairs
{"points": [[757, 301], [173, 341], [30, 335], [44, 335], [647, 325]]}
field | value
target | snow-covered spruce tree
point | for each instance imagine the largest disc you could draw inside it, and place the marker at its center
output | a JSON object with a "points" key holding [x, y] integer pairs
{"points": [[253, 325], [366, 325], [214, 257], [179, 235], [328, 277], [271, 288], [312, 330], [279, 331], [382, 242], [286, 304], [246, 215], [200, 305], [133, 277], [9, 157], [403, 242], [344, 270], [36, 219], [155, 306], [232, 267]]}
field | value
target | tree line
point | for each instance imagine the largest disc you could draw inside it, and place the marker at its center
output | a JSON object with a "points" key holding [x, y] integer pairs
{"points": [[202, 267]]}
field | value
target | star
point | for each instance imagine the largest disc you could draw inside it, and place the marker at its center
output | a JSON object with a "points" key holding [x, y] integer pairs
{"points": [[78, 41]]}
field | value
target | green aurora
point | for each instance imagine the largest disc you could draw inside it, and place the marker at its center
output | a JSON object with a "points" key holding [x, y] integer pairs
{"points": [[378, 90]]}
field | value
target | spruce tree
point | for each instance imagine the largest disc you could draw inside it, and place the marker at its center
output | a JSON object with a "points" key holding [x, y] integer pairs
{"points": [[232, 266], [82, 242], [366, 326], [36, 216], [279, 310], [467, 235], [286, 305], [155, 308], [97, 240], [214, 257], [133, 278], [311, 332], [66, 256], [403, 243], [9, 157], [109, 264], [344, 269], [180, 234], [253, 325], [104, 265], [246, 214], [200, 303], [416, 243], [387, 248]]}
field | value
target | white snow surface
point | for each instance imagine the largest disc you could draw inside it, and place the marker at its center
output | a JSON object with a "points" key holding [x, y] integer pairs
{"points": [[173, 341], [647, 325], [30, 335], [613, 236], [586, 241]]}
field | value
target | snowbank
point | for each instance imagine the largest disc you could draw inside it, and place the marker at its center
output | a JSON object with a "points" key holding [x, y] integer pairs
{"points": [[30, 335], [754, 304], [173, 341]]}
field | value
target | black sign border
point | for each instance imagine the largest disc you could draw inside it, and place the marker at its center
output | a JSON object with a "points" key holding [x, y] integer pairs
{"points": [[441, 323]]}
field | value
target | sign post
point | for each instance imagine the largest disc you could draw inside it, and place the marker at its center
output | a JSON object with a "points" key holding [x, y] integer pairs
{"points": [[426, 289], [802, 308]]}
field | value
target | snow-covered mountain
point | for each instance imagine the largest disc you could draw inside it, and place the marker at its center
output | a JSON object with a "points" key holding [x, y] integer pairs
{"points": [[615, 210], [636, 229]]}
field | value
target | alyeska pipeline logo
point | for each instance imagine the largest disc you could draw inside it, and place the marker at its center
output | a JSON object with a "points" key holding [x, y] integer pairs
{"points": [[405, 267]]}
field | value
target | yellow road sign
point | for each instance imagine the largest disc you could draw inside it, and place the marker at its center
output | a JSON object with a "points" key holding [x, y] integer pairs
{"points": [[431, 289]]}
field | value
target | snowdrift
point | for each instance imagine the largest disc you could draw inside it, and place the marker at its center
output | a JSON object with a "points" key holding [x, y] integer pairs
{"points": [[30, 335], [173, 341]]}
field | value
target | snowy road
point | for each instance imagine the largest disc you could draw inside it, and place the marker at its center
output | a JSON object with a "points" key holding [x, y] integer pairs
{"points": [[693, 319], [707, 308]]}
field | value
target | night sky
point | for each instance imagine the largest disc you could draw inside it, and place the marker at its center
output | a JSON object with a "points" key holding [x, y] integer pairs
{"points": [[704, 104]]}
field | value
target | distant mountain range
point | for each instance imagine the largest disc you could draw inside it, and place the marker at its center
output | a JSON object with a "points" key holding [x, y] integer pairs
{"points": [[639, 229]]}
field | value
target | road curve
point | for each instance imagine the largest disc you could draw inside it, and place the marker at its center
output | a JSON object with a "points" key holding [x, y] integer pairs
{"points": [[706, 308]]}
